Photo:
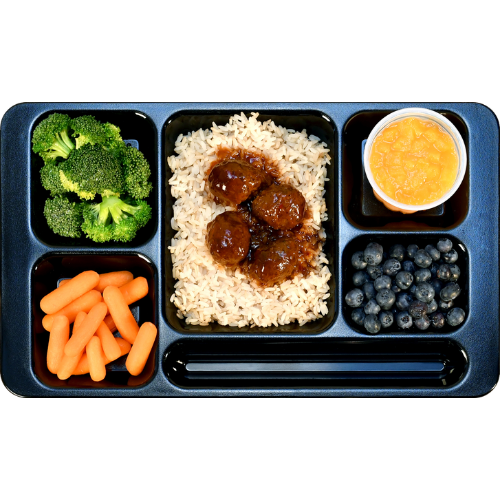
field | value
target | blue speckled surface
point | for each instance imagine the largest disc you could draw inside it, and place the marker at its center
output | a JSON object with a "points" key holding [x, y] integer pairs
{"points": [[478, 336]]}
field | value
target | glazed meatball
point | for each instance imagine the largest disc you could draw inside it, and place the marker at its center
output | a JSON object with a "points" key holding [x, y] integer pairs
{"points": [[234, 182], [228, 239], [273, 264], [282, 207]]}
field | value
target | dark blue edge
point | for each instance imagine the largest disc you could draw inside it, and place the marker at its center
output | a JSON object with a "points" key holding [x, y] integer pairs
{"points": [[479, 380]]}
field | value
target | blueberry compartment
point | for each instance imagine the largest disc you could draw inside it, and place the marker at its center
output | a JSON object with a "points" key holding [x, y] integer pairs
{"points": [[420, 239], [139, 131], [316, 124], [47, 273], [361, 207]]}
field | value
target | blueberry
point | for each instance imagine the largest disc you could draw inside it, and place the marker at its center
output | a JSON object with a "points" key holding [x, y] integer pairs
{"points": [[359, 278], [450, 292], [446, 306], [403, 301], [385, 299], [403, 320], [422, 275], [384, 282], [418, 309], [433, 252], [374, 271], [444, 272], [395, 288], [372, 307], [397, 252], [454, 272], [437, 319], [434, 269], [404, 280], [444, 245], [358, 316], [412, 250], [423, 322], [372, 324], [437, 285], [369, 290], [354, 298], [432, 306], [423, 259], [373, 254], [424, 292], [358, 260], [455, 317], [412, 289], [386, 319], [409, 266], [391, 267], [450, 257]]}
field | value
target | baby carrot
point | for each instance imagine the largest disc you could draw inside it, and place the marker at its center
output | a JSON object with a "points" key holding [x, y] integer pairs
{"points": [[61, 297], [135, 290], [83, 365], [116, 278], [120, 312], [83, 303], [68, 363], [84, 333], [64, 282], [141, 348], [109, 345], [59, 336], [95, 357], [110, 323], [79, 320]]}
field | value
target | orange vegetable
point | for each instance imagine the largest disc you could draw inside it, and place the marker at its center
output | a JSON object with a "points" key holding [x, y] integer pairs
{"points": [[59, 336], [83, 365], [141, 348], [110, 323], [61, 297], [64, 282], [109, 345], [120, 312], [86, 330], [117, 278], [95, 358], [83, 303], [135, 290], [68, 363]]}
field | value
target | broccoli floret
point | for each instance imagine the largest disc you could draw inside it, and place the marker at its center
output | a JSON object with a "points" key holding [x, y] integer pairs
{"points": [[51, 180], [114, 142], [115, 219], [91, 170], [87, 130], [63, 216], [137, 172], [51, 137]]}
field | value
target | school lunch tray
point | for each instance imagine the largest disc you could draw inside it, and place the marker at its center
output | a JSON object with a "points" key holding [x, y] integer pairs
{"points": [[329, 357]]}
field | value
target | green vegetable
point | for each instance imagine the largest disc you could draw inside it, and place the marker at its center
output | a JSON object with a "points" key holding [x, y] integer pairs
{"points": [[137, 173], [87, 130], [51, 137], [63, 216], [51, 179]]}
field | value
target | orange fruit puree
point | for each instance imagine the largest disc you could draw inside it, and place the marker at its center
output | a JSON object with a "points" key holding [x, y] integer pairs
{"points": [[414, 161]]}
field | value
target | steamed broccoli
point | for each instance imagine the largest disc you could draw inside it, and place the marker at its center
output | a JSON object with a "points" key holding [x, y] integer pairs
{"points": [[51, 137], [51, 179], [114, 219], [137, 173], [63, 216], [92, 170], [87, 130]]}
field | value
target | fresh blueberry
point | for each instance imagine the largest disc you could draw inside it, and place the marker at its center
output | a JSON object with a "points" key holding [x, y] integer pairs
{"points": [[437, 285], [434, 269], [423, 259], [372, 324], [417, 309], [372, 307], [437, 319], [446, 306], [358, 260], [422, 275], [450, 292], [444, 272], [444, 245], [359, 278], [395, 288], [369, 290], [433, 252], [423, 322], [403, 320], [354, 298], [424, 292], [373, 254], [391, 267], [455, 317], [385, 299], [409, 266], [397, 252], [404, 280], [384, 282], [374, 272], [403, 301], [386, 319], [451, 257], [412, 250], [413, 289], [454, 272], [358, 316], [432, 306]]}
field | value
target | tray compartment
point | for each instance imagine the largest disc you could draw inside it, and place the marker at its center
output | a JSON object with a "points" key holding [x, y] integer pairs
{"points": [[258, 364], [138, 130], [315, 123], [387, 240], [361, 207], [45, 276]]}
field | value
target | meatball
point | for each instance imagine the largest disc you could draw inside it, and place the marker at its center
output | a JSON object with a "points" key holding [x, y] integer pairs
{"points": [[274, 263], [234, 182], [228, 239], [282, 207]]}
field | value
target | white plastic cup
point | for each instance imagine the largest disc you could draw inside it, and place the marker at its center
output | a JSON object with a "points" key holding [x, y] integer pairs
{"points": [[425, 114]]}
